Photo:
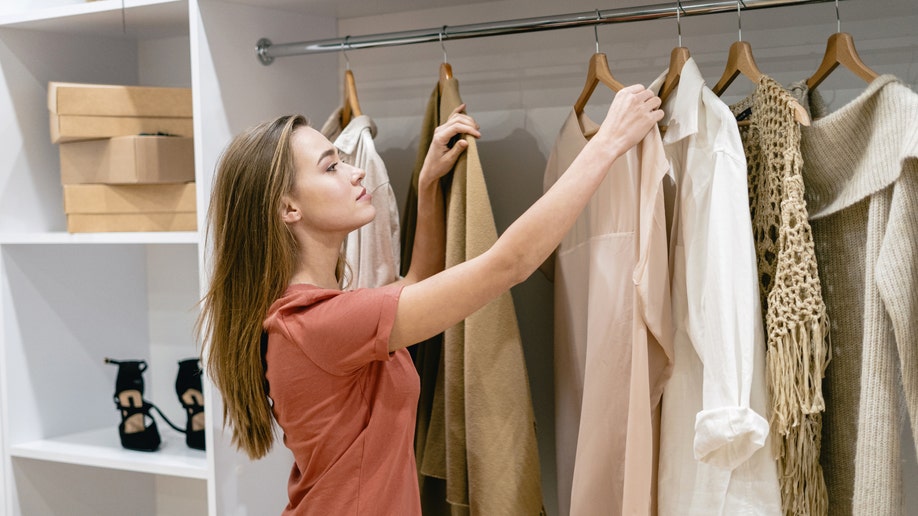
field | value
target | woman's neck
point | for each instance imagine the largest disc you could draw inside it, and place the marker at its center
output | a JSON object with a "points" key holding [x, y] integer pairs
{"points": [[317, 263], [329, 283]]}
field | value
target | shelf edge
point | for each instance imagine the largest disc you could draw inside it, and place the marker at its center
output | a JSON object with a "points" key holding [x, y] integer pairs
{"points": [[51, 450], [151, 237]]}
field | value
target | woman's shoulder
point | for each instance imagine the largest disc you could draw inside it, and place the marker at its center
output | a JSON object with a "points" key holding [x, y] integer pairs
{"points": [[320, 311], [301, 296]]}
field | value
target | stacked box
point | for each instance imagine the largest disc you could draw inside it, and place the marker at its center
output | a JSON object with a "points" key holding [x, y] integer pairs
{"points": [[127, 157], [137, 207], [128, 160], [91, 111]]}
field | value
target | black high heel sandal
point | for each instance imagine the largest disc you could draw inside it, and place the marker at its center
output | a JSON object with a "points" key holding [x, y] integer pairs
{"points": [[137, 429], [188, 389], [134, 431]]}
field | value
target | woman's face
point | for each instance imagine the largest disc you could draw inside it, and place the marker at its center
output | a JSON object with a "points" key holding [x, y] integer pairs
{"points": [[327, 194]]}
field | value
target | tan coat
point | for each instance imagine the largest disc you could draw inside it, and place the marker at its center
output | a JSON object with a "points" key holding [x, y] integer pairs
{"points": [[480, 435]]}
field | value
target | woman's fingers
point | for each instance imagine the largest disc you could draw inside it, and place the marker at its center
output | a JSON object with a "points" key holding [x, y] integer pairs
{"points": [[456, 123], [633, 112], [447, 145]]}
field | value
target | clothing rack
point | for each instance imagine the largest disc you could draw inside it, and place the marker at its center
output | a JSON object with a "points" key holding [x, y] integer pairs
{"points": [[267, 51]]}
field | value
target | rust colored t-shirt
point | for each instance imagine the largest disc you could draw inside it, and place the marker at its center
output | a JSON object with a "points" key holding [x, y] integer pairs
{"points": [[346, 405]]}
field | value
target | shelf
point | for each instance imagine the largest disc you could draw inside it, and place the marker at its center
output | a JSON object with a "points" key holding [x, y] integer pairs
{"points": [[101, 448], [142, 19], [152, 237]]}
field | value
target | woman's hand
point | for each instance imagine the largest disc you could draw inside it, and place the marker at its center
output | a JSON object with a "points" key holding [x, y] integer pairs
{"points": [[428, 251], [440, 156], [633, 112]]}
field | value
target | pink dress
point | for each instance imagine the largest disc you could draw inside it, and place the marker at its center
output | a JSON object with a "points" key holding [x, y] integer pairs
{"points": [[613, 335]]}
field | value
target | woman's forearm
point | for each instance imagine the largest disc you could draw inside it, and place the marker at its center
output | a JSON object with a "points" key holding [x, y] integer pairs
{"points": [[428, 253], [428, 307], [530, 240]]}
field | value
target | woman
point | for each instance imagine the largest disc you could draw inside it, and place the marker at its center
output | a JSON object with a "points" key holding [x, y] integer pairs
{"points": [[330, 365]]}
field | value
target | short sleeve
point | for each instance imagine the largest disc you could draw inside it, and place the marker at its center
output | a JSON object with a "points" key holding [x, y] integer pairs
{"points": [[345, 331]]}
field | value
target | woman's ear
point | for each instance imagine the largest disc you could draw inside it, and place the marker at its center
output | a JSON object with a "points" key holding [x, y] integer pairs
{"points": [[290, 213]]}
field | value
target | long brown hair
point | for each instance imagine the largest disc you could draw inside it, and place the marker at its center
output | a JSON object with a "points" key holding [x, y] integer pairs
{"points": [[253, 255]]}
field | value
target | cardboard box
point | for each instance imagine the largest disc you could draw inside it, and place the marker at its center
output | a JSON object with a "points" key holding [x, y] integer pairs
{"points": [[73, 128], [128, 160], [88, 111], [108, 222], [122, 199], [66, 98]]}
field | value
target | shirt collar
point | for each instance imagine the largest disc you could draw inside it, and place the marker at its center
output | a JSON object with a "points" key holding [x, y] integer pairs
{"points": [[681, 108], [349, 138]]}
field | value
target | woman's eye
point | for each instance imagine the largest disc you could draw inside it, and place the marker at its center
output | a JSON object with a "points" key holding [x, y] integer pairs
{"points": [[333, 167]]}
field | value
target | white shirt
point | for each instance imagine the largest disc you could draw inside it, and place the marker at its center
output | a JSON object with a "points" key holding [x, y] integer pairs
{"points": [[373, 251], [715, 453]]}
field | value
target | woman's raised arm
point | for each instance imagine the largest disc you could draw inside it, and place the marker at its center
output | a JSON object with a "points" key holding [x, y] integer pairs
{"points": [[427, 255], [432, 305]]}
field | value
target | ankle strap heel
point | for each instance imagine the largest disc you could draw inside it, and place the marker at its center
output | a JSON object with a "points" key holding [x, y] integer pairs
{"points": [[188, 389], [137, 430]]}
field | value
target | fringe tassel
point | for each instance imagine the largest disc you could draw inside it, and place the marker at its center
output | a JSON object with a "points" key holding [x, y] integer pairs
{"points": [[796, 364], [803, 488]]}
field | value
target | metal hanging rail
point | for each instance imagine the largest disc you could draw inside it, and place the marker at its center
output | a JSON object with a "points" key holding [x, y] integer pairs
{"points": [[267, 51]]}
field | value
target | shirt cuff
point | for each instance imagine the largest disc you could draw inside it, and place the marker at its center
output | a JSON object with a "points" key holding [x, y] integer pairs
{"points": [[725, 437]]}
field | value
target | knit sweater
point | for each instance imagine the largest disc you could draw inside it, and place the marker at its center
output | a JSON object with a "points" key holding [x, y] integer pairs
{"points": [[861, 176], [795, 315]]}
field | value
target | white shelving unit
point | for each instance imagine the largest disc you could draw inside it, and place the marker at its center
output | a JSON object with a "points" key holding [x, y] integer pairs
{"points": [[69, 300]]}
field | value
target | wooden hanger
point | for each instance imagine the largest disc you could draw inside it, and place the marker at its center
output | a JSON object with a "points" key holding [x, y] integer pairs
{"points": [[351, 107], [840, 51], [598, 72], [740, 61], [677, 59], [446, 73]]}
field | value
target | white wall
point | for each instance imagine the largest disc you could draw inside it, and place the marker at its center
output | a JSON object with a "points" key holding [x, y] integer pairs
{"points": [[520, 88]]}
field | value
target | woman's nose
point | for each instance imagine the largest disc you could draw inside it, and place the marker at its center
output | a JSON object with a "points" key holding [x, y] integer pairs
{"points": [[358, 175]]}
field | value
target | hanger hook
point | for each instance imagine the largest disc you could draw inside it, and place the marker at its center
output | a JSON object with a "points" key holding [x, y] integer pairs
{"points": [[344, 46], [837, 18], [596, 30], [739, 21], [442, 32], [679, 20]]}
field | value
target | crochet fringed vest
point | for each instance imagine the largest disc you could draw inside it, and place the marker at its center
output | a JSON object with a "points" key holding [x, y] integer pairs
{"points": [[797, 346]]}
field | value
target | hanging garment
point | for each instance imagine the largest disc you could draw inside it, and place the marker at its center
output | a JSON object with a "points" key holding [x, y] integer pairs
{"points": [[480, 436], [333, 125], [372, 251], [613, 336], [861, 174], [797, 349], [426, 355], [725, 466]]}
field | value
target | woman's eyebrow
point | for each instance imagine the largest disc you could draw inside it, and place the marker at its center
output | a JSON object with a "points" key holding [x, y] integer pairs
{"points": [[328, 152]]}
